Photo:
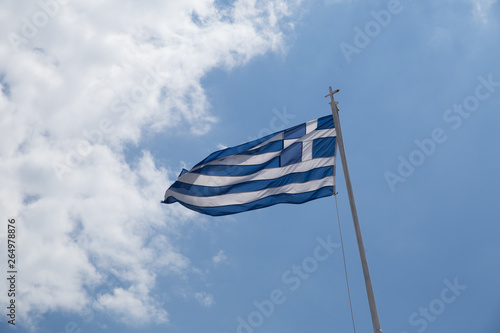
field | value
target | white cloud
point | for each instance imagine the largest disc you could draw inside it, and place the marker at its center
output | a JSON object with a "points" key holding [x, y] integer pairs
{"points": [[481, 8], [220, 257], [204, 299], [77, 88], [122, 301]]}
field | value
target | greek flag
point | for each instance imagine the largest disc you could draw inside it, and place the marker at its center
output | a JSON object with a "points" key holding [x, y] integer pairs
{"points": [[295, 165]]}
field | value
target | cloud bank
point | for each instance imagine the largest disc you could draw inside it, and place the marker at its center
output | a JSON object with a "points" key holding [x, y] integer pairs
{"points": [[80, 81]]}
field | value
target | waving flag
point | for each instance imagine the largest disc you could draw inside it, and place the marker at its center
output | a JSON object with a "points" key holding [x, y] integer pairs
{"points": [[295, 165]]}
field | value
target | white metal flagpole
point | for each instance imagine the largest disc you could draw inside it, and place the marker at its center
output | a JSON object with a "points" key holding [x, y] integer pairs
{"points": [[359, 237]]}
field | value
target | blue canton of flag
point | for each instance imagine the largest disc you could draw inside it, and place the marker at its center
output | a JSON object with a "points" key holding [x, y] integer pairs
{"points": [[295, 165]]}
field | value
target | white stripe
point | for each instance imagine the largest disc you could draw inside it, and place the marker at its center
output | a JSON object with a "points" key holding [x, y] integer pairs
{"points": [[246, 197], [288, 142], [307, 150], [311, 126], [205, 180], [244, 159], [263, 158]]}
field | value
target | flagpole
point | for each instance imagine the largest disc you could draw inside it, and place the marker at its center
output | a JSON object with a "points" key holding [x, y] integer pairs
{"points": [[359, 237]]}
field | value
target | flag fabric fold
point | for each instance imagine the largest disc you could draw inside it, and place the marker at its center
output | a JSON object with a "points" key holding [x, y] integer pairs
{"points": [[295, 165]]}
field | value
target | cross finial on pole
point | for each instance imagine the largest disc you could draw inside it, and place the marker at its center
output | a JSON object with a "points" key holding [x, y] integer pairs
{"points": [[332, 92]]}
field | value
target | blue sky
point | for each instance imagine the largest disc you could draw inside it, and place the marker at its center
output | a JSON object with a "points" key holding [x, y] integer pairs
{"points": [[102, 106]]}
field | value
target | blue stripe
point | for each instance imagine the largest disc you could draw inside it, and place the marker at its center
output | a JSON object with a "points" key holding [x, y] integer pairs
{"points": [[250, 186], [237, 170], [262, 203], [235, 150], [268, 148]]}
